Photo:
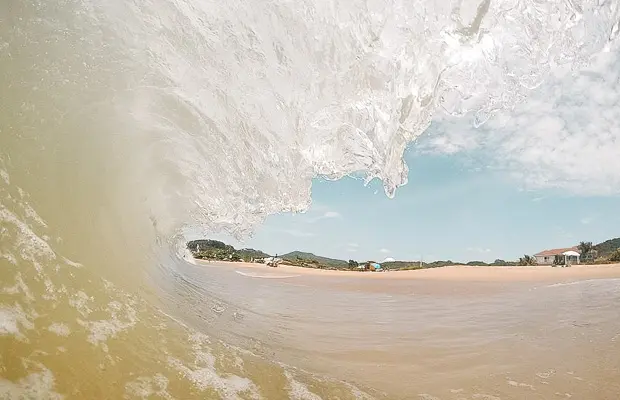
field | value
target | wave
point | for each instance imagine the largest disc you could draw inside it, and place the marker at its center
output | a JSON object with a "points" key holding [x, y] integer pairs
{"points": [[587, 282], [128, 120], [250, 275]]}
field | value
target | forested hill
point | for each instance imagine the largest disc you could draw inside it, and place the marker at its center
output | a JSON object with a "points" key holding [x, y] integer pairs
{"points": [[295, 256], [216, 250], [607, 247]]}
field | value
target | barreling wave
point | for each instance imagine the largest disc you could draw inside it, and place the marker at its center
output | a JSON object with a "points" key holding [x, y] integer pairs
{"points": [[120, 122]]}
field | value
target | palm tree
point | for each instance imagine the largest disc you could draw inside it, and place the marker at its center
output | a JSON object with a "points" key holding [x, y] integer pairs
{"points": [[527, 260], [585, 248]]}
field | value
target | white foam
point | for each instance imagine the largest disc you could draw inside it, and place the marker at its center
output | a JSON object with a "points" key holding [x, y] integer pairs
{"points": [[204, 375], [585, 282], [31, 246], [123, 318], [520, 384], [546, 375], [35, 217], [59, 329], [9, 257], [251, 275], [72, 263], [37, 385], [50, 290], [483, 396], [298, 390], [19, 287], [425, 396], [147, 387], [8, 322], [80, 302], [5, 176], [11, 319]]}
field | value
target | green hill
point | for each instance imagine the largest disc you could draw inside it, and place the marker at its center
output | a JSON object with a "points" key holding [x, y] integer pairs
{"points": [[607, 247], [216, 250], [251, 253], [309, 258]]}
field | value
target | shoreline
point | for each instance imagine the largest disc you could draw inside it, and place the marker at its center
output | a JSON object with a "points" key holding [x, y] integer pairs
{"points": [[447, 273]]}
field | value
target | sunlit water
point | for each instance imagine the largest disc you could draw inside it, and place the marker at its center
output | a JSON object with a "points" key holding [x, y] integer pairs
{"points": [[121, 122]]}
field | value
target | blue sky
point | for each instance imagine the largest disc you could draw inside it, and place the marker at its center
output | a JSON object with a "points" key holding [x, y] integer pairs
{"points": [[545, 174], [448, 210]]}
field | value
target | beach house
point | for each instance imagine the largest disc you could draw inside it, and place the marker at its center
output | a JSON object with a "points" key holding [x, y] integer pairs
{"points": [[569, 255]]}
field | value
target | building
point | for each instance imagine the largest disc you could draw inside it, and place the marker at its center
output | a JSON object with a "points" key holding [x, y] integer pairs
{"points": [[373, 266], [558, 256]]}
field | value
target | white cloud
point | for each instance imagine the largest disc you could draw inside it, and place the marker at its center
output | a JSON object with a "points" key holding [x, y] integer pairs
{"points": [[325, 215], [353, 245], [478, 250], [586, 220], [384, 251], [566, 135], [332, 214]]}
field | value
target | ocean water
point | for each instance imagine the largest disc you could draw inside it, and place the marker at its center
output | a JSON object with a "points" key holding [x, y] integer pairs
{"points": [[123, 122]]}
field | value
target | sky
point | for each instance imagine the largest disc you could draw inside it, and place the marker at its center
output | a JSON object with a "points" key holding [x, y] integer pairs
{"points": [[543, 175]]}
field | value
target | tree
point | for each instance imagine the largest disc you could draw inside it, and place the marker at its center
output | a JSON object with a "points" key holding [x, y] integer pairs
{"points": [[585, 248], [527, 260], [353, 264], [615, 256]]}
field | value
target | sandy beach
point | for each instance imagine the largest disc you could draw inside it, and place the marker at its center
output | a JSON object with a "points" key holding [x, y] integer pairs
{"points": [[450, 273]]}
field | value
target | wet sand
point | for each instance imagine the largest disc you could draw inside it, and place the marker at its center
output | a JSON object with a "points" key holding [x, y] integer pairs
{"points": [[450, 273], [450, 333]]}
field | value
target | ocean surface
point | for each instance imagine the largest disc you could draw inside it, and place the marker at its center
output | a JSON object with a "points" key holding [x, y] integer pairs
{"points": [[122, 123]]}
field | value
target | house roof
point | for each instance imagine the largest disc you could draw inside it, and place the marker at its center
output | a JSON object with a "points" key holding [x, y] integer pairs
{"points": [[555, 252]]}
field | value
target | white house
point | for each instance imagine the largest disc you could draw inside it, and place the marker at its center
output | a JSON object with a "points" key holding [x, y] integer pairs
{"points": [[548, 257]]}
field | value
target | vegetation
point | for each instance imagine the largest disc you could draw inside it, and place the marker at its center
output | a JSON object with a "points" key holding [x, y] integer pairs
{"points": [[606, 248], [608, 252], [297, 257], [527, 260], [602, 253], [503, 263], [216, 250], [585, 248], [199, 245], [615, 256]]}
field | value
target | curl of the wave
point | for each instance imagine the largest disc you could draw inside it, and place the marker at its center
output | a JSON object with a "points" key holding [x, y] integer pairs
{"points": [[223, 112]]}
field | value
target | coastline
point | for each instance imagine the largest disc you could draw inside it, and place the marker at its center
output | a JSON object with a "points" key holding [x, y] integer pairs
{"points": [[448, 273]]}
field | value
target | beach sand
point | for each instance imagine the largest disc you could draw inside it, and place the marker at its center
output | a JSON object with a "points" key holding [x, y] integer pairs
{"points": [[450, 273]]}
